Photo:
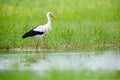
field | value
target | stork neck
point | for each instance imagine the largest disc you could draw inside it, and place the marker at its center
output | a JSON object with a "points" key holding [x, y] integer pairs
{"points": [[49, 21]]}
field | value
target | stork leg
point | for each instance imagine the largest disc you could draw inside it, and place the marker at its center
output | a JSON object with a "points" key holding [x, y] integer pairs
{"points": [[37, 43], [45, 43]]}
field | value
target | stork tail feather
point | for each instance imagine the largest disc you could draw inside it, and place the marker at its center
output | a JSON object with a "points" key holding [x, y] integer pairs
{"points": [[25, 35]]}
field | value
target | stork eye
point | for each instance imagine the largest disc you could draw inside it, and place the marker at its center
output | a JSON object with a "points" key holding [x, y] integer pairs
{"points": [[50, 14]]}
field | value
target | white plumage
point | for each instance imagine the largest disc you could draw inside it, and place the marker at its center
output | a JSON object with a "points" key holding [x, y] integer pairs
{"points": [[41, 30], [45, 28]]}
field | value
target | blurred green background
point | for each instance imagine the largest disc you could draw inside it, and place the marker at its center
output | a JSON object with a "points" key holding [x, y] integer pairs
{"points": [[80, 24]]}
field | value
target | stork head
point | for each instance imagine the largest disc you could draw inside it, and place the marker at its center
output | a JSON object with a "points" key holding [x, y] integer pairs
{"points": [[49, 14]]}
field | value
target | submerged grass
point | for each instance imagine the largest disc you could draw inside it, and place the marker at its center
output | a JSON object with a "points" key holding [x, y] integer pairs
{"points": [[81, 24]]}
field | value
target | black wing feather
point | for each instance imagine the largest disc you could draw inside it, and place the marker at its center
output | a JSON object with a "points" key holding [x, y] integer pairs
{"points": [[32, 33]]}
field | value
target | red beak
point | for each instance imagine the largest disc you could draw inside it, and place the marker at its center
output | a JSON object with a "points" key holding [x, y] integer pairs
{"points": [[53, 17]]}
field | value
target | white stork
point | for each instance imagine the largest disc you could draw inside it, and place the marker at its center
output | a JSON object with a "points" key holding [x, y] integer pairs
{"points": [[41, 31]]}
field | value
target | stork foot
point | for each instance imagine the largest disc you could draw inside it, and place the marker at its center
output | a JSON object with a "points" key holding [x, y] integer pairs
{"points": [[45, 43], [37, 44]]}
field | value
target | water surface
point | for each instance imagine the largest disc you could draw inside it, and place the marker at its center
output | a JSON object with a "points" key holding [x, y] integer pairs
{"points": [[75, 62]]}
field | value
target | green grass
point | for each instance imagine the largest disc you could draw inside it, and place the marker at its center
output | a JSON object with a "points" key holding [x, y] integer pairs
{"points": [[58, 75], [81, 24]]}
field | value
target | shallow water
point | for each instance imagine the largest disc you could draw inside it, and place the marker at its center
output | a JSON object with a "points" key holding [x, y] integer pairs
{"points": [[60, 61]]}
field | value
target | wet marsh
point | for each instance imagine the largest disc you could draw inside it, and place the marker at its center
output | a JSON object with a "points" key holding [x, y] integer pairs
{"points": [[84, 42]]}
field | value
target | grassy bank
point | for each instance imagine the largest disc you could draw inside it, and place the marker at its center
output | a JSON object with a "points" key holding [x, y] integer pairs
{"points": [[80, 24]]}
